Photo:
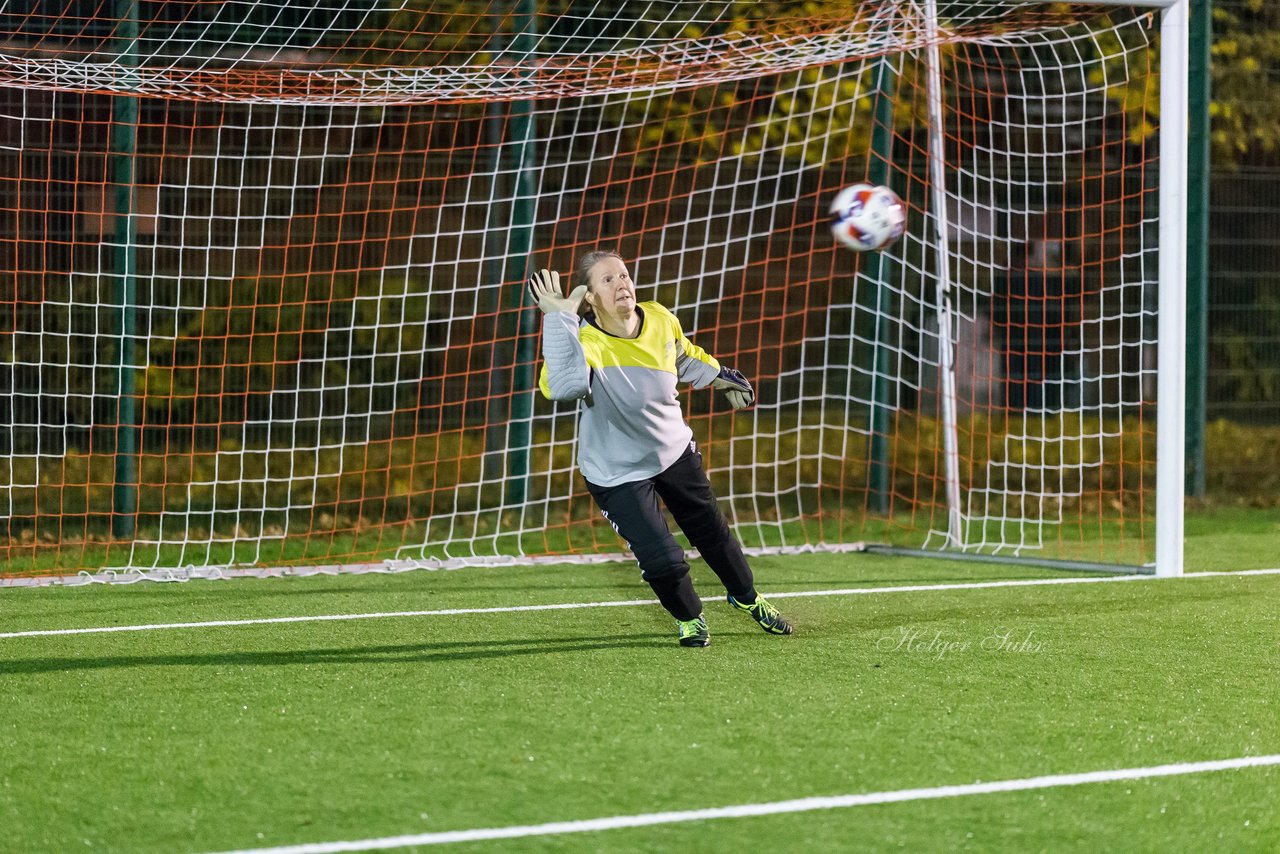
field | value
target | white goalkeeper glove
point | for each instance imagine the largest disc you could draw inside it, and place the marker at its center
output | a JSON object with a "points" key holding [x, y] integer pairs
{"points": [[545, 290], [736, 389]]}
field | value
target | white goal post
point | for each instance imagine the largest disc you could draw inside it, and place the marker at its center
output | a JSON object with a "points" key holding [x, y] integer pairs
{"points": [[1171, 427]]}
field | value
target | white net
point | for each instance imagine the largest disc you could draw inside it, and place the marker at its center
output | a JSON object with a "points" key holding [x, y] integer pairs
{"points": [[266, 262]]}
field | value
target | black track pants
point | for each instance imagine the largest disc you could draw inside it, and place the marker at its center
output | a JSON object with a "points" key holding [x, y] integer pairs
{"points": [[634, 511]]}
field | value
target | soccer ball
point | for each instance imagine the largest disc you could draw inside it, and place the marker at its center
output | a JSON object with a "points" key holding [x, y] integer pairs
{"points": [[866, 217]]}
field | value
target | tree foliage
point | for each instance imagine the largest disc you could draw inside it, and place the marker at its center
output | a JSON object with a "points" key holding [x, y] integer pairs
{"points": [[1245, 64], [1245, 110]]}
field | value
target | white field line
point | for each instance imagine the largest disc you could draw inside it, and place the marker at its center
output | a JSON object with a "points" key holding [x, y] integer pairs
{"points": [[566, 606], [772, 808]]}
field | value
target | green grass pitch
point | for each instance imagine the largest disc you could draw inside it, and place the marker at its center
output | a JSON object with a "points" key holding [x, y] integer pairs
{"points": [[252, 736]]}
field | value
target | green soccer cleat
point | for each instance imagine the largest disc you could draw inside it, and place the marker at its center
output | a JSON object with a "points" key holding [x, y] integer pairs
{"points": [[694, 632], [764, 614]]}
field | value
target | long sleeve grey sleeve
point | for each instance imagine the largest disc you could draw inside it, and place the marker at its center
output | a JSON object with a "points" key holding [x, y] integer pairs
{"points": [[565, 375], [693, 364]]}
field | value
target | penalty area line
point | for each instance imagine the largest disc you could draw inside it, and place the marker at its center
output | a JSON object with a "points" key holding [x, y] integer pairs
{"points": [[623, 603], [772, 808]]}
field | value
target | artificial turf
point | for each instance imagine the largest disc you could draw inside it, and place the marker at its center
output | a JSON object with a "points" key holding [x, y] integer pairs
{"points": [[219, 738]]}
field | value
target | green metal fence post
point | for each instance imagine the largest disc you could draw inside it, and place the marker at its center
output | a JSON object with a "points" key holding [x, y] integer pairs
{"points": [[524, 206], [1200, 92], [124, 119], [511, 383], [878, 269]]}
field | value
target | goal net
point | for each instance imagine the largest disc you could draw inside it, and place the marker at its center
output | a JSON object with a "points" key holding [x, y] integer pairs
{"points": [[262, 266]]}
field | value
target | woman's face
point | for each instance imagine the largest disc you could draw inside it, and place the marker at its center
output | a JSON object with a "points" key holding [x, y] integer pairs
{"points": [[612, 291]]}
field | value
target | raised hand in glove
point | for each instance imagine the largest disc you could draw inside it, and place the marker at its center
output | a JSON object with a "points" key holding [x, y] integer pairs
{"points": [[735, 387], [545, 290]]}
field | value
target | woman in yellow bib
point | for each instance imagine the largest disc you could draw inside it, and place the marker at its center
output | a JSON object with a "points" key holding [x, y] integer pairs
{"points": [[622, 360]]}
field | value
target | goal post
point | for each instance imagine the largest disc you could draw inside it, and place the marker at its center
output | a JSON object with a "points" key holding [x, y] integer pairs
{"points": [[261, 275], [1175, 62]]}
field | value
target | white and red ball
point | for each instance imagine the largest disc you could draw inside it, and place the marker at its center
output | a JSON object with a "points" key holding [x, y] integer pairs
{"points": [[866, 217]]}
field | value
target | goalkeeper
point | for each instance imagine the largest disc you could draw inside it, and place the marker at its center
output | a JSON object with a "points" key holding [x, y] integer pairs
{"points": [[623, 360]]}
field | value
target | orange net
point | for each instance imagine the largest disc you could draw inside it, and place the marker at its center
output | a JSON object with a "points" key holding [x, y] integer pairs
{"points": [[262, 265]]}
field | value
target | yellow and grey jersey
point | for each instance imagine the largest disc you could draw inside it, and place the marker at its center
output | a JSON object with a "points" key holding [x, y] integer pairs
{"points": [[632, 427]]}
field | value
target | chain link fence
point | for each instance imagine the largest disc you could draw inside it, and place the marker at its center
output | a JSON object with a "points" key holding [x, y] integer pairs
{"points": [[1243, 378]]}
